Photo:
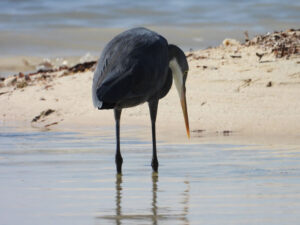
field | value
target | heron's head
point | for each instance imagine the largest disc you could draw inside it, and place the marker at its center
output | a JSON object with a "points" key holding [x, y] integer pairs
{"points": [[179, 66]]}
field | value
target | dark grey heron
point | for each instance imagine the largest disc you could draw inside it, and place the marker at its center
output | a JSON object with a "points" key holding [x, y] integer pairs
{"points": [[138, 66]]}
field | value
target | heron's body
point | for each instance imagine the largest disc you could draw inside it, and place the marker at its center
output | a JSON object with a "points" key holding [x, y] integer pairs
{"points": [[135, 67], [128, 61]]}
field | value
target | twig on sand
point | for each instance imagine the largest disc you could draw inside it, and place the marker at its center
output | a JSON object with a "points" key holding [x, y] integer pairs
{"points": [[43, 114]]}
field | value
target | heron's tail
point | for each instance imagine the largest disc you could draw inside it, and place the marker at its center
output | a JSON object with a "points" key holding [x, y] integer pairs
{"points": [[97, 103], [98, 93], [101, 104]]}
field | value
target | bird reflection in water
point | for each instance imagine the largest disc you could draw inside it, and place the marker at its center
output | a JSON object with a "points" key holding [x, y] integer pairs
{"points": [[154, 197], [118, 198], [156, 212], [186, 200]]}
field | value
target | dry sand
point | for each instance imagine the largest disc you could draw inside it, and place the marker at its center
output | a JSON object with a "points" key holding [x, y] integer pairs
{"points": [[230, 89]]}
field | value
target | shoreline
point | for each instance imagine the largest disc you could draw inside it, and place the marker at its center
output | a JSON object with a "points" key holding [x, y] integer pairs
{"points": [[23, 50], [234, 89]]}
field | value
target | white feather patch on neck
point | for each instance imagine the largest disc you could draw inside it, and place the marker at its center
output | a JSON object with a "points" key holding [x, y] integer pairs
{"points": [[177, 75]]}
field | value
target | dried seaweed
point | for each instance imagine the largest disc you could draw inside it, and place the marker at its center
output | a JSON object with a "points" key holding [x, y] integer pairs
{"points": [[22, 80], [80, 67], [282, 44]]}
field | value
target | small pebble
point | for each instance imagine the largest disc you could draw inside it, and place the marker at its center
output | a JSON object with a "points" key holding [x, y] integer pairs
{"points": [[269, 84]]}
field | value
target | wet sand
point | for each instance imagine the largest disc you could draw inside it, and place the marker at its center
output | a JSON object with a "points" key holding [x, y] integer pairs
{"points": [[69, 178]]}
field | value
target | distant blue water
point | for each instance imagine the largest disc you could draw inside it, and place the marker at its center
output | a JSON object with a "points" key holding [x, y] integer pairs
{"points": [[53, 28], [29, 14]]}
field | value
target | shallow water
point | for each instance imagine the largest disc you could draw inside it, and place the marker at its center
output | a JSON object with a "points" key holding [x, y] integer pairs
{"points": [[62, 28], [24, 14], [69, 178]]}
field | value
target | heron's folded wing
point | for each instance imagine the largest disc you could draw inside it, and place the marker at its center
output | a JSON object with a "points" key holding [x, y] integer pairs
{"points": [[130, 67]]}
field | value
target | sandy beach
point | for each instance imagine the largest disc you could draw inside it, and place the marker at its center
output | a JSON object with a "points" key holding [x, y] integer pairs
{"points": [[248, 89]]}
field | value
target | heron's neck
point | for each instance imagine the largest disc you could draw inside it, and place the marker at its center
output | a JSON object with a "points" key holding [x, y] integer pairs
{"points": [[177, 75]]}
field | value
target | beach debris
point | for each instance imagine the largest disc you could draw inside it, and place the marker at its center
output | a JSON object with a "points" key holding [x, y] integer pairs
{"points": [[246, 36], [259, 55], [198, 131], [21, 75], [199, 57], [227, 132], [189, 54], [236, 56], [10, 81], [42, 77], [195, 57], [48, 86], [22, 84], [80, 67], [246, 83], [42, 99], [43, 114], [281, 44], [27, 77], [2, 93], [51, 124], [2, 79], [204, 67], [269, 84], [230, 42]]}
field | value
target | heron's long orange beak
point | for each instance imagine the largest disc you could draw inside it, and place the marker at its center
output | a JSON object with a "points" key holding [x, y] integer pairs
{"points": [[185, 113]]}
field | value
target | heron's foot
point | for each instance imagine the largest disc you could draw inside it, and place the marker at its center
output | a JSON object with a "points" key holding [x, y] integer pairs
{"points": [[119, 162], [154, 165]]}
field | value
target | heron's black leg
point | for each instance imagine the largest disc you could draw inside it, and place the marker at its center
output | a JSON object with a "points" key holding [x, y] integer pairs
{"points": [[153, 111], [118, 158]]}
